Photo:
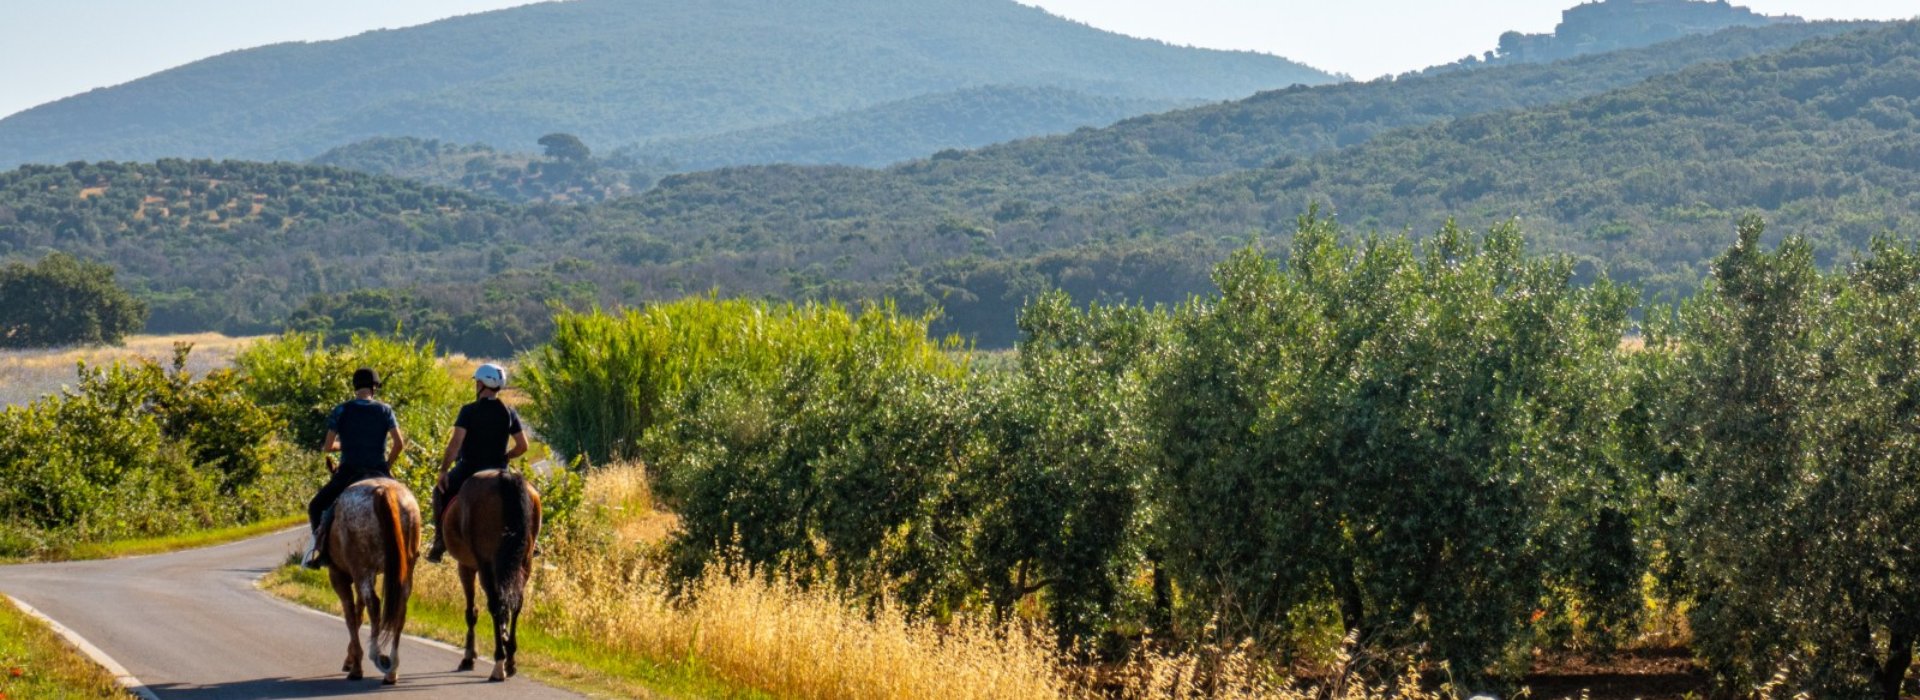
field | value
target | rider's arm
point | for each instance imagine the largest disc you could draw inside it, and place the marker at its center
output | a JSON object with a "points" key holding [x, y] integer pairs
{"points": [[519, 445], [332, 443], [398, 443], [453, 450]]}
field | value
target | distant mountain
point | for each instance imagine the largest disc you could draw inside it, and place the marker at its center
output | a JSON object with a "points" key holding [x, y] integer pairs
{"points": [[1611, 25], [234, 244], [1645, 182], [912, 128], [1636, 161], [616, 72]]}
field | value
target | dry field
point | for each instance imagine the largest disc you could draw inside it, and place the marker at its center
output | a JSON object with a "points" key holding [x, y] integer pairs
{"points": [[26, 375]]}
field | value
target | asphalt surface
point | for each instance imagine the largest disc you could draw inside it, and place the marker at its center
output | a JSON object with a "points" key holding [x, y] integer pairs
{"points": [[192, 626]]}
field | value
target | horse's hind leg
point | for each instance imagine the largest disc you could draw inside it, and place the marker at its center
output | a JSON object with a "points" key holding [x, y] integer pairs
{"points": [[513, 640], [370, 599], [350, 610], [473, 614], [498, 612]]}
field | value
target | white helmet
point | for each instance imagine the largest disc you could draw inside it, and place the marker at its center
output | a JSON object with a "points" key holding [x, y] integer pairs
{"points": [[491, 375]]}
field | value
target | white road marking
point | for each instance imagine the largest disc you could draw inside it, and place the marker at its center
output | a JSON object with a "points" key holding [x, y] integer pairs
{"points": [[120, 673]]}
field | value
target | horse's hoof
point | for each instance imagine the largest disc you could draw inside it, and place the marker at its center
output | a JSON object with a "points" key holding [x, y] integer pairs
{"points": [[389, 680], [496, 678], [354, 676], [465, 665]]}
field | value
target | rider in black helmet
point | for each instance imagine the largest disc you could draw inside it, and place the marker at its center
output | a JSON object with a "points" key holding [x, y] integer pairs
{"points": [[359, 431]]}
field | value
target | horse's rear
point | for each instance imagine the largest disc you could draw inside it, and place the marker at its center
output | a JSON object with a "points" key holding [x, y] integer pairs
{"points": [[375, 535], [491, 528]]}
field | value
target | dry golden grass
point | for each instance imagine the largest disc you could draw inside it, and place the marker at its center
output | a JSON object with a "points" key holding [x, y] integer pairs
{"points": [[26, 375], [605, 584]]}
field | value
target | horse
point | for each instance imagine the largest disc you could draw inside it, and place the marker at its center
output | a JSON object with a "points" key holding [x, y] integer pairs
{"points": [[491, 526], [375, 531]]}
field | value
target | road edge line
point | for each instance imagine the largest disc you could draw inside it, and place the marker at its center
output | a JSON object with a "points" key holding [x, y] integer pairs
{"points": [[125, 678]]}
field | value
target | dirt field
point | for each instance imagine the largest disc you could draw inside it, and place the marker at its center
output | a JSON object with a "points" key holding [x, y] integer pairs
{"points": [[26, 375]]}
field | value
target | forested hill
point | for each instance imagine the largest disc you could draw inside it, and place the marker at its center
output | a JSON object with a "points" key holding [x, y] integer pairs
{"points": [[1646, 182], [912, 128], [615, 72], [1156, 151], [235, 244]]}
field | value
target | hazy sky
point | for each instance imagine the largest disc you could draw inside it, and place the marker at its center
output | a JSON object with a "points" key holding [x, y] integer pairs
{"points": [[53, 48]]}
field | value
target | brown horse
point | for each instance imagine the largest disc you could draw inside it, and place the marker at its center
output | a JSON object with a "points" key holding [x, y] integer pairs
{"points": [[375, 532], [491, 528]]}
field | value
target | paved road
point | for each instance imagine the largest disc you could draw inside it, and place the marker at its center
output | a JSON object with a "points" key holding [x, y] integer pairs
{"points": [[191, 626]]}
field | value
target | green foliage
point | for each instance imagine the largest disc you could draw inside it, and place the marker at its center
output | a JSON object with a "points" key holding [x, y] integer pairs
{"points": [[64, 301], [565, 147], [299, 379], [1796, 395], [1642, 182], [498, 325], [516, 177], [1064, 502], [916, 127], [587, 68], [136, 450], [977, 233], [1418, 436]]}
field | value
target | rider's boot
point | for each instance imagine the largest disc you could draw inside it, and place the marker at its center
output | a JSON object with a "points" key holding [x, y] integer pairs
{"points": [[439, 548], [316, 547]]}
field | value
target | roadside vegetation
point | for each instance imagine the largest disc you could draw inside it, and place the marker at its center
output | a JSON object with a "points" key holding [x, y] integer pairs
{"points": [[1365, 465], [36, 663]]}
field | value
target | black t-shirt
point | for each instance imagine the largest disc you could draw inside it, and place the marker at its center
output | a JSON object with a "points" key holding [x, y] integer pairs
{"points": [[489, 424], [363, 425]]}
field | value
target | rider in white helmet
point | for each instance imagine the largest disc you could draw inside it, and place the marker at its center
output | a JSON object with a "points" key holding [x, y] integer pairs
{"points": [[480, 442]]}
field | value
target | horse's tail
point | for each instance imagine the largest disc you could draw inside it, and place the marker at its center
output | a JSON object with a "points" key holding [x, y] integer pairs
{"points": [[400, 540], [519, 515]]}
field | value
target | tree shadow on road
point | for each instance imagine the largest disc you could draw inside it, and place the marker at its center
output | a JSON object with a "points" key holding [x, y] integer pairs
{"points": [[320, 687]]}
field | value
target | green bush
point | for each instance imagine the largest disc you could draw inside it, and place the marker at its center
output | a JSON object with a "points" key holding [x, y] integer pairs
{"points": [[1797, 396], [1063, 502], [63, 300], [1415, 438], [136, 450]]}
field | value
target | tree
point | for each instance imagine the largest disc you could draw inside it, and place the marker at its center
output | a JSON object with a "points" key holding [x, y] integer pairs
{"points": [[1414, 440], [1799, 421], [63, 300], [566, 147]]}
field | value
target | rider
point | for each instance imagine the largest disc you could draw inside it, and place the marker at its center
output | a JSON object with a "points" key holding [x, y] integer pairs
{"points": [[358, 430], [479, 443]]}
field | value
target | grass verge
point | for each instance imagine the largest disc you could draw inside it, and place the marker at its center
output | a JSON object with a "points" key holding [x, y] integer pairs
{"points": [[177, 542], [35, 663], [567, 663]]}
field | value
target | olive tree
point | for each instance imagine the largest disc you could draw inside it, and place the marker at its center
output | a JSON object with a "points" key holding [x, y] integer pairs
{"points": [[1800, 424], [1416, 440]]}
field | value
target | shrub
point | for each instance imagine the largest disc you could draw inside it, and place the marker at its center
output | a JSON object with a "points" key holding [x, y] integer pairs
{"points": [[1063, 502], [136, 450], [63, 301], [1412, 438], [299, 379], [1798, 394]]}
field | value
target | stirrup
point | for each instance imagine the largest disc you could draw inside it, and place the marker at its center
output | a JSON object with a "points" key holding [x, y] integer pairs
{"points": [[312, 559]]}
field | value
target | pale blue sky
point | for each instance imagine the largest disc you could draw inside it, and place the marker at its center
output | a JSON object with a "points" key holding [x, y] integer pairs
{"points": [[53, 48]]}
